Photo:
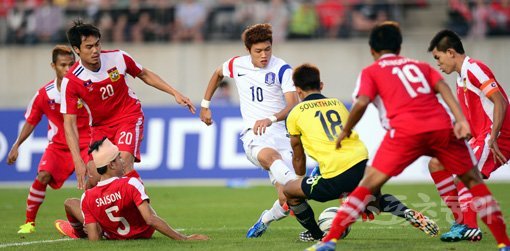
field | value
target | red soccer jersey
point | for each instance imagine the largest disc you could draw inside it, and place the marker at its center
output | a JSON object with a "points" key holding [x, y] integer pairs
{"points": [[113, 204], [403, 91], [475, 84], [47, 102], [105, 93]]}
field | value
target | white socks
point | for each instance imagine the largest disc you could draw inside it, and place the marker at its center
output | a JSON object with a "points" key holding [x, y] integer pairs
{"points": [[275, 213], [281, 172]]}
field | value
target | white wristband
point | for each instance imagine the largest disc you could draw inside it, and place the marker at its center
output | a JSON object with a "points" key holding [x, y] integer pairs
{"points": [[205, 103], [273, 118]]}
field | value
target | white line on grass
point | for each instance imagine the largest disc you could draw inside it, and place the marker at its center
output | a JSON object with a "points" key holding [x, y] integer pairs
{"points": [[31, 242]]}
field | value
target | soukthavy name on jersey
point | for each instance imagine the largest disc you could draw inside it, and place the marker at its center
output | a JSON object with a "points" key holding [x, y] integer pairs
{"points": [[319, 103], [110, 198]]}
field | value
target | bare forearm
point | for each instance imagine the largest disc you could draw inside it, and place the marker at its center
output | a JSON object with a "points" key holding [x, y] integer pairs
{"points": [[499, 112], [356, 114], [92, 232], [161, 226], [71, 133], [213, 84], [445, 92], [154, 80], [24, 134]]}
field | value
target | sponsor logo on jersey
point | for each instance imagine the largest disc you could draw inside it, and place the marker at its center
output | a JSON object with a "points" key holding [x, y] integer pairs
{"points": [[270, 77], [465, 86], [88, 84], [114, 74]]}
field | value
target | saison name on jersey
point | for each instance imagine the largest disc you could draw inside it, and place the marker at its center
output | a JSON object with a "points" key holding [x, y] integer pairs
{"points": [[107, 199], [317, 104]]}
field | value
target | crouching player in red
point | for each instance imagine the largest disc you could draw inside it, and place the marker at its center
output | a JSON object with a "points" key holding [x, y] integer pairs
{"points": [[117, 208], [404, 90]]}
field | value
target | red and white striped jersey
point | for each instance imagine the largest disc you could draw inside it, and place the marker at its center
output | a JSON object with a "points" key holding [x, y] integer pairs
{"points": [[475, 84], [113, 204], [46, 101], [403, 91], [105, 93]]}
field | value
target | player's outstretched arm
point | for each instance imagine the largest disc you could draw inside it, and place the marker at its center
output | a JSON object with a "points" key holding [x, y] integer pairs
{"points": [[205, 112], [23, 135], [154, 80], [150, 217], [357, 111], [461, 128], [71, 132], [298, 156]]}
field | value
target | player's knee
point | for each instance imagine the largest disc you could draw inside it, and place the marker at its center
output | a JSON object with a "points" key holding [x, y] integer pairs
{"points": [[471, 177], [435, 165], [71, 203], [44, 177]]}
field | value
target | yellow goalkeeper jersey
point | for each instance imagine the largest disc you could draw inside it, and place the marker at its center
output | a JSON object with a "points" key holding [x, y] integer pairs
{"points": [[318, 121]]}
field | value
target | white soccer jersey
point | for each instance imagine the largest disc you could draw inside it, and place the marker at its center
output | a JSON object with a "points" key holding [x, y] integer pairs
{"points": [[261, 90]]}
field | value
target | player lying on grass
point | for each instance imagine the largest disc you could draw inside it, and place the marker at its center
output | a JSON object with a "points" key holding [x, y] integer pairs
{"points": [[313, 126], [117, 208]]}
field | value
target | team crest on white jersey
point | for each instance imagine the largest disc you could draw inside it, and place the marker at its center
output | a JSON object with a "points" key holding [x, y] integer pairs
{"points": [[270, 78], [114, 74]]}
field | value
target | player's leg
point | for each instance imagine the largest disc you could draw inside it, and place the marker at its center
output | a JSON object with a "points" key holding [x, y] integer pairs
{"points": [[35, 198], [390, 204], [356, 202], [73, 227], [395, 153], [296, 199], [128, 137], [457, 158]]}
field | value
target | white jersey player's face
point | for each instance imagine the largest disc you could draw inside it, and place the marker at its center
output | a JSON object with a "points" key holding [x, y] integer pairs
{"points": [[90, 52], [261, 54]]}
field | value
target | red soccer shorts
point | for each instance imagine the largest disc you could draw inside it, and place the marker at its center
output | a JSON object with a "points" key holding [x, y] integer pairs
{"points": [[483, 154], [126, 135], [59, 163], [399, 151]]}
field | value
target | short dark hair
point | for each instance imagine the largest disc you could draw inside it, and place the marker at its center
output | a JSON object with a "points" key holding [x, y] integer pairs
{"points": [[307, 77], [95, 147], [61, 50], [79, 30], [446, 39], [386, 37], [257, 33]]}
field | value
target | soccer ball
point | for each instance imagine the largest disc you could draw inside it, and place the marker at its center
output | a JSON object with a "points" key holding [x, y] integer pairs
{"points": [[325, 220]]}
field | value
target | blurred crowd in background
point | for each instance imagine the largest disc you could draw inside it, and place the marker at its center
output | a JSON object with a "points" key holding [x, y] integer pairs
{"points": [[45, 21]]}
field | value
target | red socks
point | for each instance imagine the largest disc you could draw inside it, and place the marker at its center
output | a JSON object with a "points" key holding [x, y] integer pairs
{"points": [[448, 192], [35, 199], [348, 212], [488, 210], [468, 212]]}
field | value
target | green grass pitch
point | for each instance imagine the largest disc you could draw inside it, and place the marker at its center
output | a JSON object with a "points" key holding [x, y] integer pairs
{"points": [[225, 214]]}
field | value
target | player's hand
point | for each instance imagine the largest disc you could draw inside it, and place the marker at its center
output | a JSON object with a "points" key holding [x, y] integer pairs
{"points": [[206, 116], [81, 170], [341, 137], [260, 126], [461, 130], [197, 237], [13, 155], [185, 101], [496, 153]]}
